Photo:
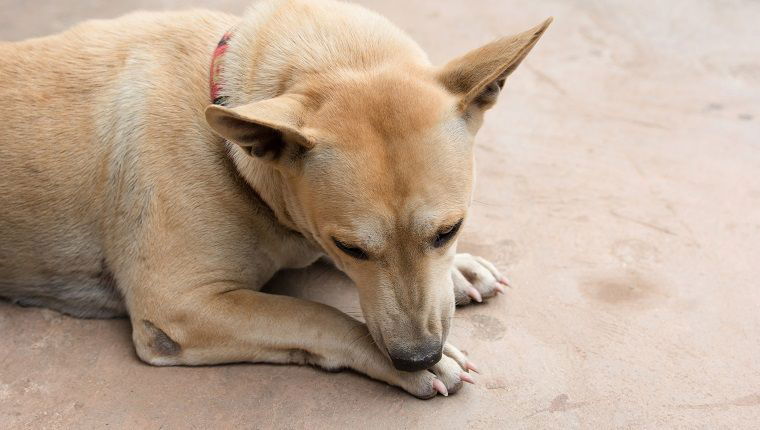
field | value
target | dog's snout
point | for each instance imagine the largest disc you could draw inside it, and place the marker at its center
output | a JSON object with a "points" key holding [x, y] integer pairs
{"points": [[419, 358]]}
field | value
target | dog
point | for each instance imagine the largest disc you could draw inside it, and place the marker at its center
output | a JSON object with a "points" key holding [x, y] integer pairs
{"points": [[166, 165]]}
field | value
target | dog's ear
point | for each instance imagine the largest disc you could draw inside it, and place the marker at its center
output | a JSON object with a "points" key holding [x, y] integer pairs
{"points": [[268, 129], [478, 76]]}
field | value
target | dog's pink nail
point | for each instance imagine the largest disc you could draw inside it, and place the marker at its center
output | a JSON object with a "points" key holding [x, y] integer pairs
{"points": [[504, 281], [499, 289], [438, 385], [471, 366], [466, 378], [475, 294]]}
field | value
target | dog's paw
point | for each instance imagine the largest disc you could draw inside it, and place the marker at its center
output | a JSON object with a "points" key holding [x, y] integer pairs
{"points": [[445, 377], [475, 279]]}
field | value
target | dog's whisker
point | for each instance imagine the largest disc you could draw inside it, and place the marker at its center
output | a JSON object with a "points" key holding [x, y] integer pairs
{"points": [[348, 334], [359, 338]]}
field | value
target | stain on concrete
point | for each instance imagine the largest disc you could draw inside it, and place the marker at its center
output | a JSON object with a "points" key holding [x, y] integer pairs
{"points": [[496, 384], [634, 252], [509, 251], [487, 327], [745, 401], [751, 400], [644, 223], [5, 391], [560, 403], [621, 290], [745, 117], [748, 72]]}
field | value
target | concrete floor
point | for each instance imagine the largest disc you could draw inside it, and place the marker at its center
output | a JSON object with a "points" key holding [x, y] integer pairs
{"points": [[619, 187]]}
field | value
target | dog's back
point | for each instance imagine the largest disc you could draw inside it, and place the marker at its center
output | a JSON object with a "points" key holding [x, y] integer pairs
{"points": [[73, 105], [95, 119]]}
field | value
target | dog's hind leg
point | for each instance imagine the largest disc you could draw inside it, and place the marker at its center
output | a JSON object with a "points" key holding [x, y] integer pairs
{"points": [[224, 324]]}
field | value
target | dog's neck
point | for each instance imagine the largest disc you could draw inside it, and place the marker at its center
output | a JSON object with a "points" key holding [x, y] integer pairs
{"points": [[225, 89]]}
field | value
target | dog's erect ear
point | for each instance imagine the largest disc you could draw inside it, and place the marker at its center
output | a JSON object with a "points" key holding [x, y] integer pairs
{"points": [[269, 129], [478, 76]]}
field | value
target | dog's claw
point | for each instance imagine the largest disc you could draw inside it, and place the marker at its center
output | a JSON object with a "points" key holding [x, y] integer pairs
{"points": [[440, 387], [471, 366], [499, 289], [505, 281], [475, 294], [466, 378]]}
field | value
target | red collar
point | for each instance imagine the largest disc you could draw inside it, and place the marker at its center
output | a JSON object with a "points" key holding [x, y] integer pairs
{"points": [[216, 69]]}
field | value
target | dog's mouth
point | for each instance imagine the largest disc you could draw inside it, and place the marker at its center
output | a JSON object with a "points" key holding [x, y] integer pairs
{"points": [[377, 337], [410, 356]]}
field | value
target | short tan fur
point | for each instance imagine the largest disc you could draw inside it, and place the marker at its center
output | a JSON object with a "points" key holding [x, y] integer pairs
{"points": [[124, 191]]}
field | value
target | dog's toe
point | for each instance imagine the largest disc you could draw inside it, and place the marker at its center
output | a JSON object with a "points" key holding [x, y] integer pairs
{"points": [[475, 279], [450, 371]]}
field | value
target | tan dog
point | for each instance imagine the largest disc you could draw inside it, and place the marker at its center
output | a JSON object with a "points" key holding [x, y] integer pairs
{"points": [[123, 191]]}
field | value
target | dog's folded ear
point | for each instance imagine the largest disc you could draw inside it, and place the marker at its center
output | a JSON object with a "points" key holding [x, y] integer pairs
{"points": [[478, 76], [268, 129]]}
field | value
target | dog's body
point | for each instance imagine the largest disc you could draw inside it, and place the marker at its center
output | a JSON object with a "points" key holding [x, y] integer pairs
{"points": [[118, 195]]}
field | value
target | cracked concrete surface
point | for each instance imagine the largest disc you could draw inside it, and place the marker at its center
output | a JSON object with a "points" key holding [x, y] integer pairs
{"points": [[618, 186]]}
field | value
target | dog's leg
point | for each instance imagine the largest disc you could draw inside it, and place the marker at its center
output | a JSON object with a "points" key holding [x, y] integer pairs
{"points": [[475, 279], [225, 325]]}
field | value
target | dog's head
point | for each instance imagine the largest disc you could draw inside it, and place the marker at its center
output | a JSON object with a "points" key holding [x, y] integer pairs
{"points": [[377, 168]]}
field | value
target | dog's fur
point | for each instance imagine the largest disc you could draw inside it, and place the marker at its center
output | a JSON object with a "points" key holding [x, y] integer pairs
{"points": [[122, 191]]}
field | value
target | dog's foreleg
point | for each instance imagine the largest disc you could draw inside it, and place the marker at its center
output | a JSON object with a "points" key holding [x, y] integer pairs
{"points": [[245, 325]]}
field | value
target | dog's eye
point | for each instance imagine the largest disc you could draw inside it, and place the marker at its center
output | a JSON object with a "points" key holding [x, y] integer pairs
{"points": [[352, 251], [445, 235]]}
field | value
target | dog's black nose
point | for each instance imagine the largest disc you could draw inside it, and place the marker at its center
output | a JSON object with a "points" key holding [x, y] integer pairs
{"points": [[418, 358]]}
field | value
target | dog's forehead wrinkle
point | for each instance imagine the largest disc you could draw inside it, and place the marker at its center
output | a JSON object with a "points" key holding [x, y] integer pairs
{"points": [[388, 104], [368, 230]]}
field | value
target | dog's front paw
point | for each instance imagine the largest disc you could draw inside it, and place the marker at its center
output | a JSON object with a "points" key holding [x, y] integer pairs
{"points": [[445, 377], [475, 279]]}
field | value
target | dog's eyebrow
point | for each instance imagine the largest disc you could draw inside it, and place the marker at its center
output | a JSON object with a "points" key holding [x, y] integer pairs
{"points": [[448, 225], [429, 223], [366, 234]]}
